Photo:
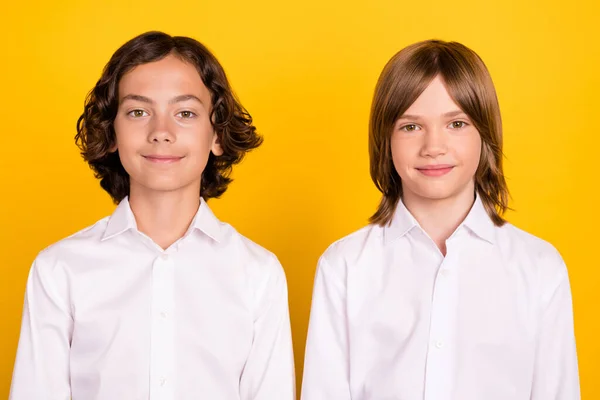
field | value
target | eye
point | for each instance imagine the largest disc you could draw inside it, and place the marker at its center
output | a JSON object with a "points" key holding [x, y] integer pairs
{"points": [[457, 124], [137, 113], [186, 114], [410, 128]]}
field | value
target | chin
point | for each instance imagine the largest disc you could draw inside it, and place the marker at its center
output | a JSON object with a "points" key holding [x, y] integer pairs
{"points": [[436, 192], [435, 195], [165, 186]]}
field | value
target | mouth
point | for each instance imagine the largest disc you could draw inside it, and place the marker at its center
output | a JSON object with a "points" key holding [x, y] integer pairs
{"points": [[435, 170], [162, 159]]}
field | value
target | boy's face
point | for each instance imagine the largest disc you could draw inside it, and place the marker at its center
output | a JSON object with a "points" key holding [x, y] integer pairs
{"points": [[163, 130], [435, 147]]}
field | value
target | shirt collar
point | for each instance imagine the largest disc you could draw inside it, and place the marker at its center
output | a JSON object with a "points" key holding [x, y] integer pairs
{"points": [[402, 222], [477, 221], [206, 222], [123, 219]]}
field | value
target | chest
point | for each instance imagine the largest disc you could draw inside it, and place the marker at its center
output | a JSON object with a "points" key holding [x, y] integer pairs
{"points": [[458, 320], [126, 307]]}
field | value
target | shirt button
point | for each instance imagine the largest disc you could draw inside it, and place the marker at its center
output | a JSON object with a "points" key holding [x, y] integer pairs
{"points": [[164, 315], [439, 344], [163, 381], [444, 273], [164, 257]]}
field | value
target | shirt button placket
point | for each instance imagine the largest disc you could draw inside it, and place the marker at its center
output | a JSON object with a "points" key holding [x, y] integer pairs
{"points": [[162, 335], [440, 355]]}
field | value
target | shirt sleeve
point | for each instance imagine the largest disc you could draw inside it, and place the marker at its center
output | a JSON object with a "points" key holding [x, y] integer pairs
{"points": [[269, 370], [41, 370], [556, 374], [326, 364]]}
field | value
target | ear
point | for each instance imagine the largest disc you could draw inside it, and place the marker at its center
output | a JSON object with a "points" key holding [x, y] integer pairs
{"points": [[216, 148], [114, 146]]}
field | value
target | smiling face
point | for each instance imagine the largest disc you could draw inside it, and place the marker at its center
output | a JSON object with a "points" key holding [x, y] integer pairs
{"points": [[163, 129], [435, 147]]}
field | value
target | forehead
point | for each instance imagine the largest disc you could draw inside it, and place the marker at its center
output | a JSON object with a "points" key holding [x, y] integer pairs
{"points": [[167, 77], [434, 100]]}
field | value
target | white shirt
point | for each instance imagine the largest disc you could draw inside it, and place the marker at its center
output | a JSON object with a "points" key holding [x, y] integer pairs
{"points": [[392, 319], [109, 315]]}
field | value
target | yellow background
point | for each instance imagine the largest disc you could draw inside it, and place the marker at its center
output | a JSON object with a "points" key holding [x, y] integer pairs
{"points": [[306, 72]]}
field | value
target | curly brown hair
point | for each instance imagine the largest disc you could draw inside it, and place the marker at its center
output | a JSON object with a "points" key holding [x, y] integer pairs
{"points": [[470, 85], [231, 122]]}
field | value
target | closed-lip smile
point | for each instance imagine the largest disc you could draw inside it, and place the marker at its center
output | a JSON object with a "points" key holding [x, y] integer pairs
{"points": [[162, 158], [435, 169]]}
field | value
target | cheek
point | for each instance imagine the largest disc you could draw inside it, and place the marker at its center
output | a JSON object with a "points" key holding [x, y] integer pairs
{"points": [[198, 146], [120, 126], [202, 138], [470, 151], [123, 134], [403, 154], [128, 140], [126, 144]]}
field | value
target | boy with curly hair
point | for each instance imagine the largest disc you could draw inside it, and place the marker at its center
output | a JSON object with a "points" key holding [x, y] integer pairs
{"points": [[161, 300]]}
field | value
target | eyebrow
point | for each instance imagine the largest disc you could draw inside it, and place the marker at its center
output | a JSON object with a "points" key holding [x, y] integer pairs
{"points": [[449, 114], [177, 99], [184, 97]]}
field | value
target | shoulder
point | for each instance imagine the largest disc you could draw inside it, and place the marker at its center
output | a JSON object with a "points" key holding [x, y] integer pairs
{"points": [[349, 249], [256, 258], [77, 243], [50, 270], [259, 269], [532, 254], [516, 239]]}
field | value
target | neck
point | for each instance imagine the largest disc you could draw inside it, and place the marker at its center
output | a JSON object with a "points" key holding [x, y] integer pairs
{"points": [[164, 216], [439, 218]]}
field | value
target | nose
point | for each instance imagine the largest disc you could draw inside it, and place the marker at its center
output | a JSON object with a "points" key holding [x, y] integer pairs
{"points": [[161, 131], [435, 143]]}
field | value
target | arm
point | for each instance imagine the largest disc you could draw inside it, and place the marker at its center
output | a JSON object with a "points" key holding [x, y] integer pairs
{"points": [[42, 365], [269, 370], [556, 373], [326, 365]]}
